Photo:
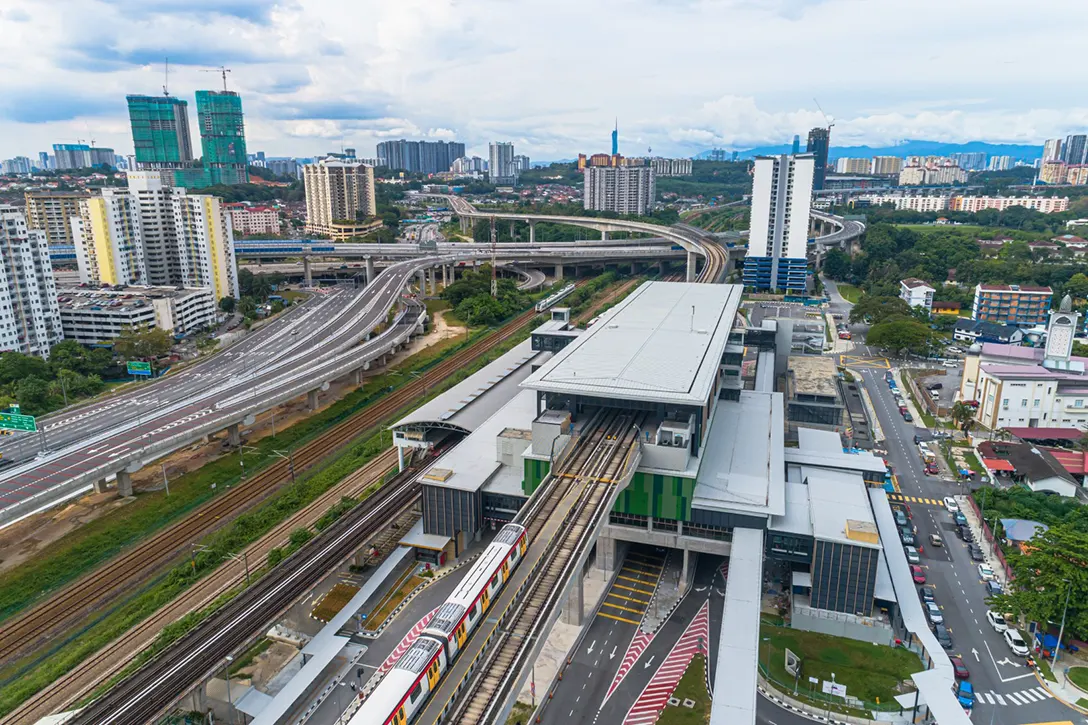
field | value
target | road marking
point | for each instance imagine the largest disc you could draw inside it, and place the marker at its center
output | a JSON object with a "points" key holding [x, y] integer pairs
{"points": [[1000, 700], [1014, 699], [618, 619]]}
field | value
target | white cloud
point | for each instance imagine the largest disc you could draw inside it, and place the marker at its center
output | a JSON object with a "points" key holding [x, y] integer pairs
{"points": [[550, 75]]}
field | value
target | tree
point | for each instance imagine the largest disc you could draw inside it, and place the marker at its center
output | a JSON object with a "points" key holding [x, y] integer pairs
{"points": [[227, 304], [1054, 569], [15, 366], [1077, 286], [877, 309], [33, 396], [899, 335], [837, 265], [135, 344], [961, 414]]}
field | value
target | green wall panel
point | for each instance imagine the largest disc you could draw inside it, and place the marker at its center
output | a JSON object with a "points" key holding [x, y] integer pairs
{"points": [[535, 472], [663, 497]]}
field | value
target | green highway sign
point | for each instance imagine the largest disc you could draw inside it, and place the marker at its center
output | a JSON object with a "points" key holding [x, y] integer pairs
{"points": [[13, 421], [135, 367]]}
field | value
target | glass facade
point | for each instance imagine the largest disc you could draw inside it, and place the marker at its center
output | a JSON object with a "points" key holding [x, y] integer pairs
{"points": [[660, 496]]}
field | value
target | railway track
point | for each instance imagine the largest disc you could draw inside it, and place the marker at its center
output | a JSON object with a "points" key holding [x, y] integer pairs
{"points": [[39, 626], [590, 475]]}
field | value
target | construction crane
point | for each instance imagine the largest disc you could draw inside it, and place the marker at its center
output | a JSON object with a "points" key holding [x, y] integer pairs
{"points": [[221, 71], [827, 119], [494, 265], [166, 77]]}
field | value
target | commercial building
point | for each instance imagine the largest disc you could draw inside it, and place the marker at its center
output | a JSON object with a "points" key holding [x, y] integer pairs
{"points": [[29, 314], [222, 136], [52, 212], [246, 219], [778, 238], [916, 293], [1005, 304], [1044, 204], [853, 166], [501, 170], [819, 142], [337, 193], [671, 167], [80, 156], [886, 166], [1075, 149], [108, 239], [622, 189], [91, 316], [813, 397], [428, 157]]}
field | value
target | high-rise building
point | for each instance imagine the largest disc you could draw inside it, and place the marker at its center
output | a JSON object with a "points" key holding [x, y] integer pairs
{"points": [[108, 241], [43, 161], [1018, 305], [81, 156], [671, 167], [969, 161], [17, 165], [160, 131], [796, 144], [29, 311], [222, 136], [52, 212], [622, 189], [1000, 163], [1052, 149], [500, 165], [521, 163], [819, 141], [886, 165], [284, 167], [427, 157], [778, 238], [1075, 149], [337, 193], [1053, 171], [616, 138], [852, 166]]}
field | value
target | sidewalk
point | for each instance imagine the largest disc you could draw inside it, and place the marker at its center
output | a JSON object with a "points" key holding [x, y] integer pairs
{"points": [[976, 529], [1064, 690]]}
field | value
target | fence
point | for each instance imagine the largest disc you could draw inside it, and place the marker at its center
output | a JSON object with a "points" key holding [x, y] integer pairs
{"points": [[812, 696]]}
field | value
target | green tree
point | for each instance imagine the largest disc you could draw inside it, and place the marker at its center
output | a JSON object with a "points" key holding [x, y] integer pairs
{"points": [[1077, 286], [135, 344], [877, 309], [227, 304], [34, 396], [900, 335], [15, 366], [837, 265], [961, 414]]}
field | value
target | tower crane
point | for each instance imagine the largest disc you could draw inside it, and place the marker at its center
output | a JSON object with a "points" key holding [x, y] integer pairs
{"points": [[827, 119], [221, 71]]}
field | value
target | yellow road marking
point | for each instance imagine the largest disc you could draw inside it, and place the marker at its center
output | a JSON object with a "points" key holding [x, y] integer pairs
{"points": [[616, 606], [618, 619], [633, 589], [628, 597]]}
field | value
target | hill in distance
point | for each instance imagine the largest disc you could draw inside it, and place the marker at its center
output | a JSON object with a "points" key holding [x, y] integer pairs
{"points": [[907, 148]]}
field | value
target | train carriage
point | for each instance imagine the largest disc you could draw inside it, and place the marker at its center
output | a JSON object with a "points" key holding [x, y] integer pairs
{"points": [[405, 689]]}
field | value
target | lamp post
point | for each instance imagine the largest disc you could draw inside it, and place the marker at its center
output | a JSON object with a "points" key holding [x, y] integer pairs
{"points": [[230, 704], [1061, 630]]}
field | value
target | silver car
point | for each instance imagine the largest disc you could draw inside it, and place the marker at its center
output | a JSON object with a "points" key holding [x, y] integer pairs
{"points": [[934, 613]]}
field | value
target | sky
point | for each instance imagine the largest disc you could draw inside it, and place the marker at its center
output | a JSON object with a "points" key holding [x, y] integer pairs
{"points": [[552, 76]]}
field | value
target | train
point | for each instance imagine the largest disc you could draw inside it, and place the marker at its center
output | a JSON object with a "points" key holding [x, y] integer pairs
{"points": [[551, 299], [404, 691]]}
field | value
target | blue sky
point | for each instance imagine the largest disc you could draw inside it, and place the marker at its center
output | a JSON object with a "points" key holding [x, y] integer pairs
{"points": [[549, 75]]}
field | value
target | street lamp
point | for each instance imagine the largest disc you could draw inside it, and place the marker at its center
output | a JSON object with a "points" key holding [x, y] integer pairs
{"points": [[1061, 630], [230, 704]]}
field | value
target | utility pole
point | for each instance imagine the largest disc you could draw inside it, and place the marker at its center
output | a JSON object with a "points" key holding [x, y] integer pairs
{"points": [[221, 71], [494, 271]]}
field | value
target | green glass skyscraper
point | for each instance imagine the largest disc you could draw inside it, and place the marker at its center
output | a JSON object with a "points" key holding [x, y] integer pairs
{"points": [[160, 131], [222, 136]]}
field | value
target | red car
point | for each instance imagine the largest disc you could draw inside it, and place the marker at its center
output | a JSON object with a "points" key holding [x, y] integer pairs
{"points": [[962, 673], [917, 573], [932, 470]]}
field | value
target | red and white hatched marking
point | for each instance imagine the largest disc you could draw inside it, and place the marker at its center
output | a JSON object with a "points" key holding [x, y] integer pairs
{"points": [[659, 689], [638, 645], [409, 639]]}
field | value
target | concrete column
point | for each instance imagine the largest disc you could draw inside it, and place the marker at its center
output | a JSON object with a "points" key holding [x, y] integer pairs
{"points": [[357, 376], [661, 268], [532, 232], [307, 273], [421, 281], [124, 483], [234, 435], [559, 271], [311, 399], [101, 485], [370, 270], [691, 267], [606, 558], [574, 610], [464, 224], [445, 276], [604, 235], [400, 458], [512, 227], [684, 573]]}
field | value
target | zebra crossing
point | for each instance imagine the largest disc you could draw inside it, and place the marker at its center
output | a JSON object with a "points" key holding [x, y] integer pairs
{"points": [[1022, 697]]}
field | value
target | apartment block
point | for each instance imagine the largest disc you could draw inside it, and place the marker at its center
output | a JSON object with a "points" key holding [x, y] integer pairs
{"points": [[1077, 175], [778, 239], [1044, 204], [29, 313], [622, 189], [1018, 305], [903, 201], [886, 165], [337, 193], [81, 156], [222, 136], [853, 166], [428, 157], [501, 169], [245, 219], [52, 212], [108, 241], [671, 167], [94, 316], [916, 293], [1053, 172]]}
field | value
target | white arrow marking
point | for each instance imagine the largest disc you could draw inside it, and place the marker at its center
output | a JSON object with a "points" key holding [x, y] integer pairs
{"points": [[698, 589], [613, 653], [975, 653], [648, 663], [590, 650]]}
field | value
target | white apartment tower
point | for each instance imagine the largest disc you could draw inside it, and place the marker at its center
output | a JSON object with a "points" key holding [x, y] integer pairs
{"points": [[109, 244], [622, 189], [778, 239], [29, 311], [1052, 149], [501, 168], [336, 192]]}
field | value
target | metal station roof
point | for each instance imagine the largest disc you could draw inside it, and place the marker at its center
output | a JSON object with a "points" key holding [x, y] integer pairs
{"points": [[663, 343]]}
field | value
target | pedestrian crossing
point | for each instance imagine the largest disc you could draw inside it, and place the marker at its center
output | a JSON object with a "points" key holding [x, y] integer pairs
{"points": [[916, 499], [1022, 697]]}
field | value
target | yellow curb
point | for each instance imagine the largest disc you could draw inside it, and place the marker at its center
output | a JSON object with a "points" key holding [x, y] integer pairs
{"points": [[1042, 682]]}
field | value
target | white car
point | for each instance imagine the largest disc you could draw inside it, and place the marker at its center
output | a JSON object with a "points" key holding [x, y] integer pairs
{"points": [[912, 555], [934, 613], [985, 573], [996, 621], [1016, 643], [951, 505]]}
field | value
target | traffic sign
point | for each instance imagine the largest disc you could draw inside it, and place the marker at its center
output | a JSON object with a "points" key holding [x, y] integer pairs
{"points": [[14, 421], [136, 367]]}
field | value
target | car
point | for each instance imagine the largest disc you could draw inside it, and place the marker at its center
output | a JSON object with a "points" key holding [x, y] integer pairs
{"points": [[965, 693], [917, 574], [962, 673], [902, 409], [985, 573], [936, 386], [900, 518], [993, 588], [912, 555], [951, 505], [960, 518], [907, 536], [951, 363], [934, 613], [996, 621], [976, 552], [935, 540], [1016, 643], [943, 635], [932, 470], [965, 534], [908, 417], [927, 594], [917, 439]]}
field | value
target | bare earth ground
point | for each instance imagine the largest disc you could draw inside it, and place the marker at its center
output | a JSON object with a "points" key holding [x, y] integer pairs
{"points": [[23, 540]]}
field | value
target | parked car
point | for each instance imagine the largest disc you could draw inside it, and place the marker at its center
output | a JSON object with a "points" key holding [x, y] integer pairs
{"points": [[965, 534], [962, 673], [985, 573], [912, 555], [927, 594], [907, 536], [917, 439], [960, 518], [996, 621], [951, 505], [1016, 643], [965, 693], [993, 588], [917, 574], [936, 386], [900, 518], [943, 636], [908, 417], [976, 552], [935, 540], [932, 469], [934, 613]]}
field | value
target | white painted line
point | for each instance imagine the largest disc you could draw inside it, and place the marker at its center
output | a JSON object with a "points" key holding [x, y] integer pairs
{"points": [[1000, 700], [1014, 699]]}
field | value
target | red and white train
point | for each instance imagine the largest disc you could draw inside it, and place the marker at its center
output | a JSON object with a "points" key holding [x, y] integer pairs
{"points": [[403, 692]]}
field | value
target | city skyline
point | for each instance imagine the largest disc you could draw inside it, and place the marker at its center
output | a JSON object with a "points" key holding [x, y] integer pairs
{"points": [[302, 95]]}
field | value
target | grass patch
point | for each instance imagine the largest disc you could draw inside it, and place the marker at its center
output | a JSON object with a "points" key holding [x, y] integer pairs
{"points": [[692, 686], [333, 601], [1078, 676], [250, 655], [293, 295], [519, 714], [775, 620], [849, 292], [1044, 669], [873, 673], [392, 600], [928, 419], [436, 304]]}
